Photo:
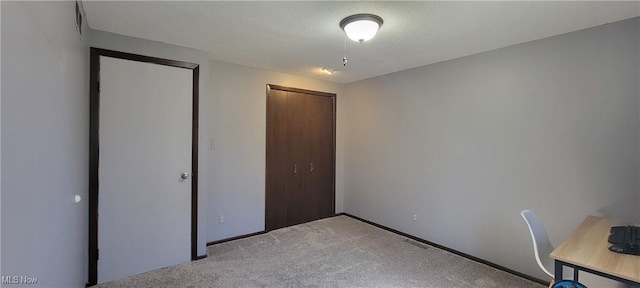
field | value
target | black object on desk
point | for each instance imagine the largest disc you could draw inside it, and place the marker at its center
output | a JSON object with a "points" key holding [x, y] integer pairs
{"points": [[625, 239]]}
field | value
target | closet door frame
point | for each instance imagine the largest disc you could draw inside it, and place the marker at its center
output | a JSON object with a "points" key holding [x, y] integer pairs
{"points": [[333, 143]]}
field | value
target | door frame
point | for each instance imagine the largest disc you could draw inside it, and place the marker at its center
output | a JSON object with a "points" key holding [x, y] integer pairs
{"points": [[334, 120], [94, 148]]}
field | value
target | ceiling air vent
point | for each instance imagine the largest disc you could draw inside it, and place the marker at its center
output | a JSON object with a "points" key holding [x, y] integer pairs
{"points": [[79, 19]]}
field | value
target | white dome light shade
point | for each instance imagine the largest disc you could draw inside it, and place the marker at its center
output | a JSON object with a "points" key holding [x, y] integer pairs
{"points": [[361, 27], [362, 30]]}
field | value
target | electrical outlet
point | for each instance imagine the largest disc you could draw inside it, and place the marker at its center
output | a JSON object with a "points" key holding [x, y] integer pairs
{"points": [[415, 217], [212, 144], [221, 219]]}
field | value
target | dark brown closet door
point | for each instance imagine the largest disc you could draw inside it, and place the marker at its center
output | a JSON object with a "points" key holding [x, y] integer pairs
{"points": [[277, 160], [299, 197], [321, 161], [300, 156]]}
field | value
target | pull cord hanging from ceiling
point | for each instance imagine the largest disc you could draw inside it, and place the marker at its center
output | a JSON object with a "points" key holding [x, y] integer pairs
{"points": [[344, 58]]}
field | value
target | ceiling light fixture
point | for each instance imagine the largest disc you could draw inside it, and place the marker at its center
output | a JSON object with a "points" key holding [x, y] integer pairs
{"points": [[361, 27], [329, 71]]}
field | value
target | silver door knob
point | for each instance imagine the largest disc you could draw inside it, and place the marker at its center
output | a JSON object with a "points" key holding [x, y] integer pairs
{"points": [[185, 175]]}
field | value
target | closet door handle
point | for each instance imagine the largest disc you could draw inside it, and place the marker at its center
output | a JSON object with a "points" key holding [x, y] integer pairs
{"points": [[311, 167], [295, 168]]}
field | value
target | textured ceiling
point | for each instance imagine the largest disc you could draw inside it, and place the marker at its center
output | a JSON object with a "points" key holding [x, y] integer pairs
{"points": [[302, 37]]}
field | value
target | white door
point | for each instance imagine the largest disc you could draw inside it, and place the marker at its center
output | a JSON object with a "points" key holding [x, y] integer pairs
{"points": [[144, 206]]}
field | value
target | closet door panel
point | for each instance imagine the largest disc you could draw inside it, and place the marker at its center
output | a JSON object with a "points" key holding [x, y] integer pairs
{"points": [[324, 168], [298, 202], [278, 172], [321, 161]]}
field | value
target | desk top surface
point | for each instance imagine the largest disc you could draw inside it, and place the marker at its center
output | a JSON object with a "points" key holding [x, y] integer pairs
{"points": [[587, 246]]}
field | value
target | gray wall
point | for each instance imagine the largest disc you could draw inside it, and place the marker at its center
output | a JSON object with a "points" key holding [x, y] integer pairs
{"points": [[238, 128], [111, 41], [45, 125], [550, 125]]}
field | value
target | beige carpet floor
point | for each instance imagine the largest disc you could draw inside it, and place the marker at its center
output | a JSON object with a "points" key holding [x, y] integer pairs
{"points": [[333, 252]]}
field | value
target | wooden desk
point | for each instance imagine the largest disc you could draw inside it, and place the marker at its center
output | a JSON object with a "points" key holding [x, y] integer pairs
{"points": [[587, 249]]}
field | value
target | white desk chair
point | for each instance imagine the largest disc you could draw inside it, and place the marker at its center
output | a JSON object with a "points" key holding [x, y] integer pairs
{"points": [[542, 248]]}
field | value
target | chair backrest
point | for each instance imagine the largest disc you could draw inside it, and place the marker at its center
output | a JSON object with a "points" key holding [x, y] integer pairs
{"points": [[541, 245]]}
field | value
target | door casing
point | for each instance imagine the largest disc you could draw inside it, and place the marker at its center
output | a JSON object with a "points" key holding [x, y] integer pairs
{"points": [[94, 148]]}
